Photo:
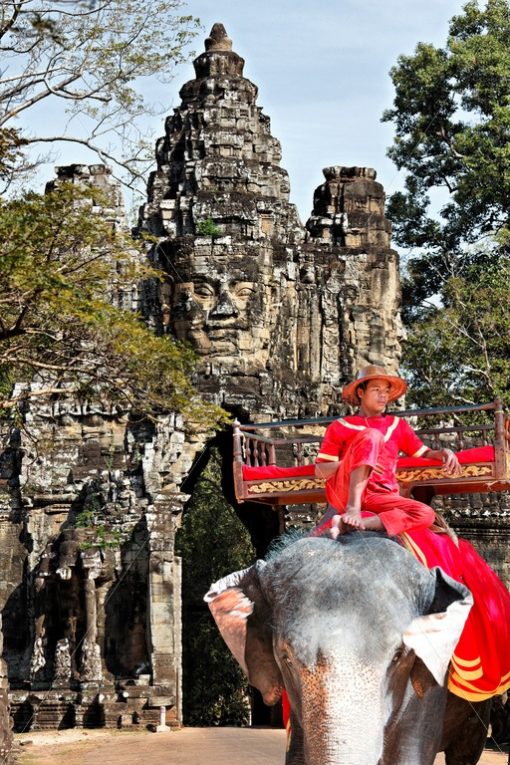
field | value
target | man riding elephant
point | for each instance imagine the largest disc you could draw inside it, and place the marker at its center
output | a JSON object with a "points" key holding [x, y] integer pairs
{"points": [[363, 638], [358, 457]]}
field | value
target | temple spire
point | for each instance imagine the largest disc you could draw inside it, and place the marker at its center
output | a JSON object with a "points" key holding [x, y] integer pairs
{"points": [[218, 59], [218, 39]]}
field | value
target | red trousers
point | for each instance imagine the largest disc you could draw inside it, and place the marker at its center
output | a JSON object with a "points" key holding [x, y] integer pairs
{"points": [[381, 495]]}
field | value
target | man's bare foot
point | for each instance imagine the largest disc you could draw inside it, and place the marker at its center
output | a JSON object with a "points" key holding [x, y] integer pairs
{"points": [[343, 524], [338, 527], [352, 517]]}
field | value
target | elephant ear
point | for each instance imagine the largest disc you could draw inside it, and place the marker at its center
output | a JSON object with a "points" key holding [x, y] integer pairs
{"points": [[433, 637], [243, 618]]}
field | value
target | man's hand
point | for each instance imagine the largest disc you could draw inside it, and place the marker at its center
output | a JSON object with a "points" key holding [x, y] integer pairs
{"points": [[451, 465]]}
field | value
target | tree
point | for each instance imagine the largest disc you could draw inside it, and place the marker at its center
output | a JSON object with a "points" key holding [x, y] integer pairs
{"points": [[64, 271], [92, 57], [212, 542], [460, 352], [452, 120]]}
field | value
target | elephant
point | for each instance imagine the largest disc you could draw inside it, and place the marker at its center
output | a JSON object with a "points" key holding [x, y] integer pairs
{"points": [[360, 635]]}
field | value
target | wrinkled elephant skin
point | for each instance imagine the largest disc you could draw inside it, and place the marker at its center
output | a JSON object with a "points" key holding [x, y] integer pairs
{"points": [[360, 634]]}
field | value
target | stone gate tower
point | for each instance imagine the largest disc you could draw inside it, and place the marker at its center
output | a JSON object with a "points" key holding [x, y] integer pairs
{"points": [[280, 314]]}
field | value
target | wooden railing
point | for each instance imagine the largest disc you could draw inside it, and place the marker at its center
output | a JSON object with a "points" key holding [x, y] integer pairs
{"points": [[294, 443]]}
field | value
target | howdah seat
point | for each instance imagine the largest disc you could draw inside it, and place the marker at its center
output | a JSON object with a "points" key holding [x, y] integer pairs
{"points": [[274, 461]]}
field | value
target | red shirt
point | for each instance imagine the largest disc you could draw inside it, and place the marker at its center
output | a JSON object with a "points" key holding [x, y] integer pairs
{"points": [[398, 437]]}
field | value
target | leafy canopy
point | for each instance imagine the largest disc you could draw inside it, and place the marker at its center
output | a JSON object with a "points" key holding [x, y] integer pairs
{"points": [[460, 352], [452, 128], [66, 273], [452, 137]]}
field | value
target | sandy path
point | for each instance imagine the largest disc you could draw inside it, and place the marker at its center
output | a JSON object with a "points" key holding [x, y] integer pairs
{"points": [[189, 746]]}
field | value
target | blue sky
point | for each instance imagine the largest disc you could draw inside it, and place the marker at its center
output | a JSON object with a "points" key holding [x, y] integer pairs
{"points": [[322, 72]]}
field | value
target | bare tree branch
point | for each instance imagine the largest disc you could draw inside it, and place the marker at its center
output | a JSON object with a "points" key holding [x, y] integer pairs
{"points": [[90, 59]]}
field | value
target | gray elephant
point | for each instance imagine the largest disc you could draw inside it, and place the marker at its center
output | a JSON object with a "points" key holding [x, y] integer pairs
{"points": [[360, 635]]}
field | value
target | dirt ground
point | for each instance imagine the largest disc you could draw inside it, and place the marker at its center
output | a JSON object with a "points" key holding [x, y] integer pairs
{"points": [[189, 746]]}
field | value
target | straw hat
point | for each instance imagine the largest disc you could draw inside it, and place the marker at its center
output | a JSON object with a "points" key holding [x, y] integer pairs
{"points": [[398, 386]]}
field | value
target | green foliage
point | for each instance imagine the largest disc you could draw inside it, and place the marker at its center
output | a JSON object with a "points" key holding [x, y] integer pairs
{"points": [[64, 272], [101, 534], [85, 519], [10, 152], [103, 538], [212, 543], [452, 121], [460, 352], [208, 227], [215, 690]]}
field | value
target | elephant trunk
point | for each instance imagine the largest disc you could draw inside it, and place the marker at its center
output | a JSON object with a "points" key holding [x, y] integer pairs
{"points": [[343, 743], [341, 730]]}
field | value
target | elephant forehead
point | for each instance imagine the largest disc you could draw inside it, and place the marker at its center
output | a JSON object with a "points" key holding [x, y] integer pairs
{"points": [[323, 567], [360, 595], [340, 636], [348, 602], [330, 679]]}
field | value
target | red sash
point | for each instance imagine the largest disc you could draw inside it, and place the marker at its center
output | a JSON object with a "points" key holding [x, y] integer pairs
{"points": [[480, 665]]}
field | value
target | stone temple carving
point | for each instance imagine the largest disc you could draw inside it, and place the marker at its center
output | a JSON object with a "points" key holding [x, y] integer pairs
{"points": [[280, 313], [63, 662]]}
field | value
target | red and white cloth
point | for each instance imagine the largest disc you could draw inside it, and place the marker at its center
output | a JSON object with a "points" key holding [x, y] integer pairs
{"points": [[374, 442], [480, 665]]}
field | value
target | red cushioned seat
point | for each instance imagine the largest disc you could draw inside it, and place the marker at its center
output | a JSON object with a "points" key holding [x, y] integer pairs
{"points": [[465, 457], [273, 471]]}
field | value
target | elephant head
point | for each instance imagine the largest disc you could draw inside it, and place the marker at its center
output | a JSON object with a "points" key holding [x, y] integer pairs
{"points": [[359, 634]]}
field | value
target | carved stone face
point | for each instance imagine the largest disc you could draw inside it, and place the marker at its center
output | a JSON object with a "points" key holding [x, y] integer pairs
{"points": [[220, 307]]}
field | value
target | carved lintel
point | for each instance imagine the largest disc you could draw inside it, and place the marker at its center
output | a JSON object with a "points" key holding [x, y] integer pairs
{"points": [[430, 473], [286, 486]]}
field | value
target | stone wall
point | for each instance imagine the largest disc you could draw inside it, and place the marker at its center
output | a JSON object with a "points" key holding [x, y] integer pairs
{"points": [[91, 591], [90, 502]]}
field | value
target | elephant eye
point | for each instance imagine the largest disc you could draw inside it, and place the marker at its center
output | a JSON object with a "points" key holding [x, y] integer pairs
{"points": [[398, 654]]}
